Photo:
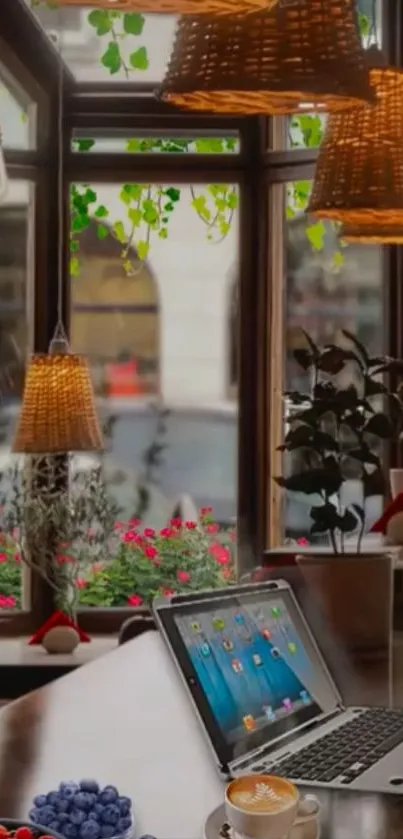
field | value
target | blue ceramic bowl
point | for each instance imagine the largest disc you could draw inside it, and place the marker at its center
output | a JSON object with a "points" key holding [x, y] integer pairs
{"points": [[37, 829]]}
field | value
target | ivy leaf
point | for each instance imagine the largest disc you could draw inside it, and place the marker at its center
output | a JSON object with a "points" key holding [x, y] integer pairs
{"points": [[100, 20], [200, 205], [119, 231], [135, 216], [315, 234], [163, 233], [232, 201], [338, 260], [133, 24], [74, 266], [139, 59], [102, 231], [101, 212], [142, 249], [173, 193], [83, 144], [364, 25], [111, 58]]}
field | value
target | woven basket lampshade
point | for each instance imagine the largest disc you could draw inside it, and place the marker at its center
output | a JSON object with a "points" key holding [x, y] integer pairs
{"points": [[58, 412], [175, 7], [359, 173], [372, 233], [305, 55]]}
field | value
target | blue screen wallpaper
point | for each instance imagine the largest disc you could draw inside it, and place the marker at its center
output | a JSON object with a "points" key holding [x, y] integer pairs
{"points": [[247, 657]]}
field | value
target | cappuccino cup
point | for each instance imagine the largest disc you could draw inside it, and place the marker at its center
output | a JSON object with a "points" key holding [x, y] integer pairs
{"points": [[265, 806]]}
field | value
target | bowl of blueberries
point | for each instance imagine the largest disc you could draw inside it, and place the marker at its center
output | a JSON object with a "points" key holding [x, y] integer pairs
{"points": [[83, 810]]}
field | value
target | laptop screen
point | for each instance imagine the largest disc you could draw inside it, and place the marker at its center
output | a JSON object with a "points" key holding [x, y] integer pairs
{"points": [[252, 669]]}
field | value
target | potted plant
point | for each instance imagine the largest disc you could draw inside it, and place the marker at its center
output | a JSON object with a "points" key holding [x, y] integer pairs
{"points": [[334, 441]]}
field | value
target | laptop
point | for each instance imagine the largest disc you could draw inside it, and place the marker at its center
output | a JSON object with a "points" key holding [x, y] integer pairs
{"points": [[265, 697]]}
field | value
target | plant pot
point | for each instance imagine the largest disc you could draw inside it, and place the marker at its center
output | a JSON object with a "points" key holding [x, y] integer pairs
{"points": [[355, 592], [61, 640]]}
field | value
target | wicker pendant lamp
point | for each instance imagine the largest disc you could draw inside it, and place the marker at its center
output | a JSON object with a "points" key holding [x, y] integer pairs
{"points": [[175, 7], [372, 233], [306, 55], [359, 174], [58, 413]]}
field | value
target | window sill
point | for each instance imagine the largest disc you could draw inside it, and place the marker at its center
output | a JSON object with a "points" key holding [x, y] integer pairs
{"points": [[16, 652]]}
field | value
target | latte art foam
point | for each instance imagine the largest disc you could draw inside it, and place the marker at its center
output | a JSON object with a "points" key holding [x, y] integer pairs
{"points": [[261, 794]]}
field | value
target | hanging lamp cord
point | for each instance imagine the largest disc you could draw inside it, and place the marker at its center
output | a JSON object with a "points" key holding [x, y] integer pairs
{"points": [[59, 342]]}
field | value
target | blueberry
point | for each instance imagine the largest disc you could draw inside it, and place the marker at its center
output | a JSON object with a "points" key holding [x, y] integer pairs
{"points": [[124, 804], [63, 818], [99, 808], [108, 795], [70, 831], [123, 825], [62, 805], [40, 800], [107, 831], [90, 829], [88, 785], [69, 789], [33, 815], [77, 816], [84, 800], [55, 825], [46, 814], [53, 797], [111, 814]]}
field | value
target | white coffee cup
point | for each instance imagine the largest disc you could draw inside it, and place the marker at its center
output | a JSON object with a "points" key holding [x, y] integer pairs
{"points": [[262, 806]]}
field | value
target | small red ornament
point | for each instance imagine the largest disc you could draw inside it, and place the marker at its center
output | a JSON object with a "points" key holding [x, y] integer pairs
{"points": [[58, 619]]}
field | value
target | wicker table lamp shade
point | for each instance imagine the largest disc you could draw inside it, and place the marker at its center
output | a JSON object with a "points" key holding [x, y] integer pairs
{"points": [[372, 234], [303, 56], [175, 7], [359, 174], [58, 412]]}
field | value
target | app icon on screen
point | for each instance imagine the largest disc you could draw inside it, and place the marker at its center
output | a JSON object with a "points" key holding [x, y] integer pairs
{"points": [[239, 618], [249, 722], [275, 652], [218, 623], [292, 648], [266, 634], [228, 645], [205, 649], [287, 704], [305, 698], [275, 611], [236, 665], [257, 660], [195, 626], [269, 713]]}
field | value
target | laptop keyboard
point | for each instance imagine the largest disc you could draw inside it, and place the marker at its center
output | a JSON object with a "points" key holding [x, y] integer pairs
{"points": [[346, 752]]}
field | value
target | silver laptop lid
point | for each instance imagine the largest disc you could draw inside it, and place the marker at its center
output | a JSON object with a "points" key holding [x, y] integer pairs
{"points": [[250, 663]]}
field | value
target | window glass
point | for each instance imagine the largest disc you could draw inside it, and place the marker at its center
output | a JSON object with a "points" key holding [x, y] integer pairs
{"points": [[157, 144], [153, 314], [98, 44], [328, 289], [15, 241], [17, 117]]}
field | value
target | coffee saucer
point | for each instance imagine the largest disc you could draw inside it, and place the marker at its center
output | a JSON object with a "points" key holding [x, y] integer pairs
{"points": [[216, 827]]}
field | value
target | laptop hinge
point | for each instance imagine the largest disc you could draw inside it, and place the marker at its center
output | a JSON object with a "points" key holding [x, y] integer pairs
{"points": [[279, 742]]}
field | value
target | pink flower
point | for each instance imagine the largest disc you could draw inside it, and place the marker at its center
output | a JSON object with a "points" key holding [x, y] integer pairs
{"points": [[3, 557], [176, 523], [191, 525], [166, 532], [168, 592], [302, 541], [212, 528], [183, 576], [134, 600], [17, 557], [132, 537], [65, 559], [7, 601], [150, 552], [149, 532], [220, 554], [134, 522], [206, 511], [80, 583]]}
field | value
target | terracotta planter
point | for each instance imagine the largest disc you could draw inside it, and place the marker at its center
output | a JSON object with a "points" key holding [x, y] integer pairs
{"points": [[355, 592]]}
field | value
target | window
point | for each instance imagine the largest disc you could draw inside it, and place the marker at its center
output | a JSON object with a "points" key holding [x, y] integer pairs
{"points": [[327, 289], [17, 116], [15, 257], [151, 312]]}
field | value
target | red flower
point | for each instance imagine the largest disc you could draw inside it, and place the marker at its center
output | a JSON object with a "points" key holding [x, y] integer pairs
{"points": [[220, 554], [168, 592], [212, 528], [191, 525], [134, 522], [134, 600], [149, 532], [176, 523], [3, 557], [302, 541], [206, 511], [80, 583], [150, 552], [7, 602], [17, 557], [183, 576], [131, 537], [166, 532], [64, 559]]}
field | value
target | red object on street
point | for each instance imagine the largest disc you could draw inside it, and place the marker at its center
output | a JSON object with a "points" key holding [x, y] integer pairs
{"points": [[58, 619]]}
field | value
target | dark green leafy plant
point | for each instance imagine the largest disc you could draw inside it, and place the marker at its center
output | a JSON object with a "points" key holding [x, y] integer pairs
{"points": [[338, 429]]}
